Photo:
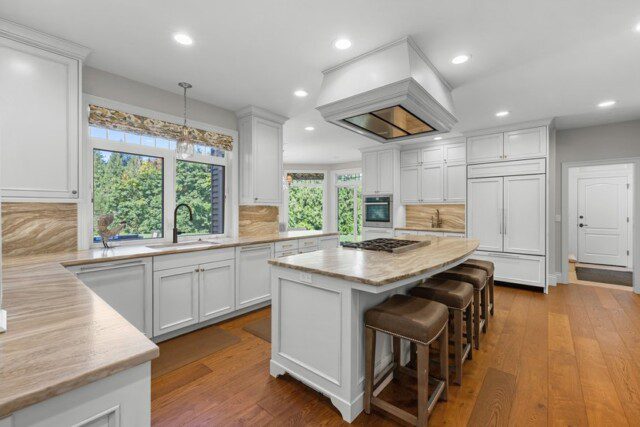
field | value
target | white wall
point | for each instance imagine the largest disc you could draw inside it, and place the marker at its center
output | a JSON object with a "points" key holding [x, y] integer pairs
{"points": [[611, 141]]}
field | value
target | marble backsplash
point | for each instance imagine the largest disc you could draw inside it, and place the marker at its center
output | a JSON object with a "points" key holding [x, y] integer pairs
{"points": [[452, 215], [257, 220]]}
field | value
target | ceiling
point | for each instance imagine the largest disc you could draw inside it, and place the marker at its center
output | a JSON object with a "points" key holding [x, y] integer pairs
{"points": [[539, 59]]}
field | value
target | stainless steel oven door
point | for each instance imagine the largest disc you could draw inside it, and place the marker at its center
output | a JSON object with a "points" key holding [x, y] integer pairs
{"points": [[378, 211]]}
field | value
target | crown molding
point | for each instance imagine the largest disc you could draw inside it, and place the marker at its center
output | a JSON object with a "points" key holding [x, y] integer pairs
{"points": [[251, 110], [38, 39]]}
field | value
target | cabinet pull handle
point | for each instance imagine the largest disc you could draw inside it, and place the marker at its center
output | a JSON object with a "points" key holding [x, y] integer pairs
{"points": [[255, 248], [506, 212]]}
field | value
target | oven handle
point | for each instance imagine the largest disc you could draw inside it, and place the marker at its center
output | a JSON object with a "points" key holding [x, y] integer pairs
{"points": [[376, 203]]}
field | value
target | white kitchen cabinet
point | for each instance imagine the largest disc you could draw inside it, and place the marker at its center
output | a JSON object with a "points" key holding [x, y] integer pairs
{"points": [[216, 289], [39, 116], [369, 233], [431, 183], [485, 148], [286, 245], [455, 153], [253, 284], [378, 169], [126, 286], [524, 214], [287, 253], [328, 242], [410, 184], [484, 212], [525, 143], [449, 234], [455, 182], [175, 299], [260, 148], [308, 243], [521, 269], [433, 155], [410, 157], [432, 233]]}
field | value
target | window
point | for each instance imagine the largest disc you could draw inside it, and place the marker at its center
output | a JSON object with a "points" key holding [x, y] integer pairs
{"points": [[305, 196], [349, 206], [201, 186], [130, 187]]}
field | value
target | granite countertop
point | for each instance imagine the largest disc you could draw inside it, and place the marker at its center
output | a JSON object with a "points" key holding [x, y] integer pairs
{"points": [[427, 228], [381, 268], [61, 335]]}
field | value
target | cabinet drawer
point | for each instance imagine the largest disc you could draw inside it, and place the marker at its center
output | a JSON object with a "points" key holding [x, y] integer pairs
{"points": [[309, 249], [329, 242], [287, 253], [308, 243], [519, 167], [521, 269], [460, 235], [165, 262], [286, 245]]}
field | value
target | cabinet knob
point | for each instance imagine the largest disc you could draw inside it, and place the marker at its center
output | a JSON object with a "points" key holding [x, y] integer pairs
{"points": [[74, 191]]}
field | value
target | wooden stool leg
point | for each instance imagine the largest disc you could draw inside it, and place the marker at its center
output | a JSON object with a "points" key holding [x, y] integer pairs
{"points": [[396, 356], [412, 355], [491, 301], [369, 365], [469, 314], [457, 344], [444, 362], [423, 383], [485, 307], [476, 318]]}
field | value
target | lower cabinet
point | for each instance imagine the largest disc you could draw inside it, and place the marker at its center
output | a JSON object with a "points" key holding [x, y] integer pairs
{"points": [[175, 299], [253, 279], [369, 233], [328, 242], [216, 292], [515, 268]]}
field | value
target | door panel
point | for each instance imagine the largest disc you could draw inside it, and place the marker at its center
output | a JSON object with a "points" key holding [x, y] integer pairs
{"points": [[175, 299], [431, 185], [369, 173], [524, 214], [433, 155], [525, 143], [217, 289], [484, 148], [410, 184], [455, 180], [254, 275], [267, 154], [604, 206], [484, 204], [455, 152], [385, 171]]}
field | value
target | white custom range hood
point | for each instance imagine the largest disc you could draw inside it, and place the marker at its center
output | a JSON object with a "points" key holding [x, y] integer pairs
{"points": [[392, 93]]}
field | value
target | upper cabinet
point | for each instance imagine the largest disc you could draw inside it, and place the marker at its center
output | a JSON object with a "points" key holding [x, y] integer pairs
{"points": [[260, 142], [40, 83], [505, 146], [378, 170]]}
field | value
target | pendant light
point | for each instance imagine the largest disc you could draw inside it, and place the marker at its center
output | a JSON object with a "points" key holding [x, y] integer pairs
{"points": [[184, 147]]}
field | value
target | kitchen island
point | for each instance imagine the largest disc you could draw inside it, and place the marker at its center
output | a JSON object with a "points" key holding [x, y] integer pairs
{"points": [[318, 305]]}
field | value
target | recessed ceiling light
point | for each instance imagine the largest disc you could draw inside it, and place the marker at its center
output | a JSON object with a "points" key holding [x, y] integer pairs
{"points": [[183, 38], [638, 27], [460, 59], [309, 128], [437, 138], [502, 113], [608, 103], [300, 93], [342, 44]]}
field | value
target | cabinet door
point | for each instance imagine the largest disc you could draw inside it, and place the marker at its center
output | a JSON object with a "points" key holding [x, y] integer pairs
{"points": [[484, 212], [455, 153], [432, 155], [267, 152], [254, 275], [431, 185], [329, 242], [377, 233], [385, 172], [410, 184], [39, 122], [485, 148], [526, 143], [175, 299], [125, 286], [455, 182], [217, 289], [524, 214], [369, 173], [410, 157]]}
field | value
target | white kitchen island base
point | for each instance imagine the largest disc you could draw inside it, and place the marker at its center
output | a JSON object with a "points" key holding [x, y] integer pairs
{"points": [[317, 331]]}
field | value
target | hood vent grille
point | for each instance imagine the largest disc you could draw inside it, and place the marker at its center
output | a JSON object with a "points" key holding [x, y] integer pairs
{"points": [[390, 123]]}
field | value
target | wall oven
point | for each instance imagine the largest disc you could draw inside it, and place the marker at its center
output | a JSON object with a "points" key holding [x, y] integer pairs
{"points": [[378, 211]]}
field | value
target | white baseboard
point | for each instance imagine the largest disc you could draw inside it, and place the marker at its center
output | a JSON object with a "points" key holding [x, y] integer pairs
{"points": [[554, 278], [3, 321]]}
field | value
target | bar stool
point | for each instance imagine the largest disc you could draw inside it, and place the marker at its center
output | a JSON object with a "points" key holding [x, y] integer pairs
{"points": [[457, 296], [489, 268], [419, 321], [478, 278]]}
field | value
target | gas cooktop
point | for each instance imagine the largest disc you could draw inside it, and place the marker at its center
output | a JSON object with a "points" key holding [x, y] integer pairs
{"points": [[387, 245]]}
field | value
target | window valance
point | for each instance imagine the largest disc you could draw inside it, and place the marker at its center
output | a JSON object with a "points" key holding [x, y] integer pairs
{"points": [[306, 176], [129, 122]]}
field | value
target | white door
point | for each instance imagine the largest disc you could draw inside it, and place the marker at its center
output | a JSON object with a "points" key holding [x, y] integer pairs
{"points": [[254, 275], [385, 172], [455, 182], [267, 155], [431, 185], [175, 299], [525, 143], [602, 220], [410, 184], [217, 286], [524, 214], [484, 148], [484, 217], [369, 173]]}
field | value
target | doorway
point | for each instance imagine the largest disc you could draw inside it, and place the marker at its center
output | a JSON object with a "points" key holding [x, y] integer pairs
{"points": [[600, 205], [349, 205]]}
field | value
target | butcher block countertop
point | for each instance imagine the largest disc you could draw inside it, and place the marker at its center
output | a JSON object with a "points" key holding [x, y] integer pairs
{"points": [[426, 228], [61, 335], [381, 268]]}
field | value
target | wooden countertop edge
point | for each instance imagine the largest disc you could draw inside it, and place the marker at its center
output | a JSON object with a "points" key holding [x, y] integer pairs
{"points": [[445, 230], [17, 403], [364, 281]]}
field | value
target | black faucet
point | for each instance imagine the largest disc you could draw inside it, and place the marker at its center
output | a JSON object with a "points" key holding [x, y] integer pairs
{"points": [[175, 220]]}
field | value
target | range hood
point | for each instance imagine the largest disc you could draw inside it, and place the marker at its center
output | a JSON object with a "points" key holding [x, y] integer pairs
{"points": [[390, 94]]}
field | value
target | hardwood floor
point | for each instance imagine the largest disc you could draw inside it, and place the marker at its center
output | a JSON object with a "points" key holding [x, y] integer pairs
{"points": [[568, 358]]}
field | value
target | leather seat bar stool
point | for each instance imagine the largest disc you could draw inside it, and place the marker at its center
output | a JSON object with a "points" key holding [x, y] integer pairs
{"points": [[458, 297], [478, 278], [421, 322], [489, 268]]}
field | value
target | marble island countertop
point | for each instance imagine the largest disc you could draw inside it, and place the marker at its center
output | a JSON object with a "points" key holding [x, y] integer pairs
{"points": [[61, 335], [381, 268], [427, 228]]}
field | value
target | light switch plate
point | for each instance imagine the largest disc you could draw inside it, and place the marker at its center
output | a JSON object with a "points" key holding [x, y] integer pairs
{"points": [[305, 277]]}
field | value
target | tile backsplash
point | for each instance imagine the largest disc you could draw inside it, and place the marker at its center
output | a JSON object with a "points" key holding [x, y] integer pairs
{"points": [[452, 215], [257, 220]]}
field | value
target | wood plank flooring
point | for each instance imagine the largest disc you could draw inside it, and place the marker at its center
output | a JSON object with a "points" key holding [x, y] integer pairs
{"points": [[568, 358]]}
